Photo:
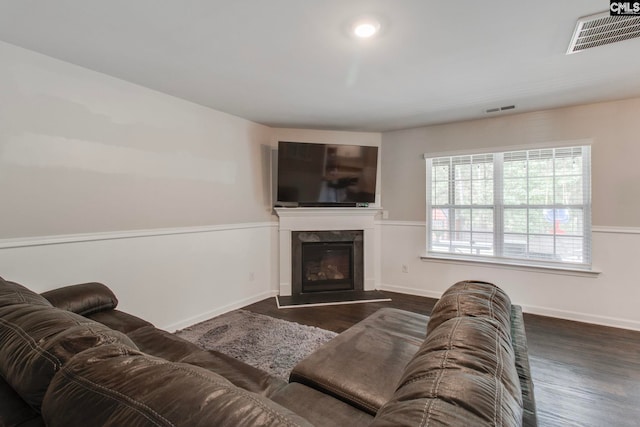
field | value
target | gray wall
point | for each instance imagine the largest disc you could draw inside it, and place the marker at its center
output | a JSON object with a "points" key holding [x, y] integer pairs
{"points": [[84, 152], [611, 127], [609, 298]]}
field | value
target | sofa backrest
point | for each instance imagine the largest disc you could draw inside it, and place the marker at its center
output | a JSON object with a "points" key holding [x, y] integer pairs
{"points": [[472, 299], [14, 293], [75, 371], [114, 385], [37, 339], [465, 371]]}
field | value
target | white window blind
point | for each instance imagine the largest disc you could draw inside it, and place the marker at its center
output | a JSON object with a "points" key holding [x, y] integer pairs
{"points": [[532, 205]]}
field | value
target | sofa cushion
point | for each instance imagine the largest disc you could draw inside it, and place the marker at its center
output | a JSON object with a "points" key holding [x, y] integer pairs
{"points": [[114, 385], [38, 339], [236, 371], [14, 293], [319, 408], [473, 299], [362, 365], [84, 299], [159, 343], [119, 320]]}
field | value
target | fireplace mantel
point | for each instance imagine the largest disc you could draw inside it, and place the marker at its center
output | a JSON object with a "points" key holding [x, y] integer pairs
{"points": [[328, 219]]}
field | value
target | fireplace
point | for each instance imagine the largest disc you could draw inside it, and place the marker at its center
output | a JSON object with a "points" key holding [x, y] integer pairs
{"points": [[337, 225], [327, 261]]}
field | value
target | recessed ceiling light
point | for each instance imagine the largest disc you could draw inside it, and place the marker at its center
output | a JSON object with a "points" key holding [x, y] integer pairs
{"points": [[365, 28]]}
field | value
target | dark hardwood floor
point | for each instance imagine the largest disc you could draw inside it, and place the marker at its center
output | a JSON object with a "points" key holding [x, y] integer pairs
{"points": [[584, 375], [337, 318]]}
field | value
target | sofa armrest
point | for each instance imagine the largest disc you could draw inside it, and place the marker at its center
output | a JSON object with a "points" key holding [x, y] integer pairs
{"points": [[463, 375], [83, 299]]}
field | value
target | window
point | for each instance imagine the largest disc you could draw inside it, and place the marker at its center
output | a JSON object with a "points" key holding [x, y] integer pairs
{"points": [[532, 205]]}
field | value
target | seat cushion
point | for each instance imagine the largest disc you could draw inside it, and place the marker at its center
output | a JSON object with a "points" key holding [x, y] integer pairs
{"points": [[237, 372], [146, 390], [319, 408], [363, 365], [119, 320], [159, 343]]}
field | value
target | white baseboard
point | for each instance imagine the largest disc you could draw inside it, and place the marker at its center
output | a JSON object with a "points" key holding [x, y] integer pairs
{"points": [[218, 311], [613, 322], [410, 291]]}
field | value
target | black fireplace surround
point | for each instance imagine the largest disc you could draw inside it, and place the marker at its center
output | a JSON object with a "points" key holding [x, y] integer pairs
{"points": [[327, 261]]}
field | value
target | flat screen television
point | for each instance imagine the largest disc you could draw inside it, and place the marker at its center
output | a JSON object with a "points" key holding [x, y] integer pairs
{"points": [[312, 174]]}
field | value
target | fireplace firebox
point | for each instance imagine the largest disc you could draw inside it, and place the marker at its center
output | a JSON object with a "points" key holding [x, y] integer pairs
{"points": [[327, 266], [327, 261]]}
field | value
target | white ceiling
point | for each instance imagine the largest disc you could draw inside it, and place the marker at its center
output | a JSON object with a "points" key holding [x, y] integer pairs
{"points": [[289, 63]]}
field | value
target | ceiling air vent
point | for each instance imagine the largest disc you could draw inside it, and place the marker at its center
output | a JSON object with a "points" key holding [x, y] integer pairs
{"points": [[497, 109], [600, 29]]}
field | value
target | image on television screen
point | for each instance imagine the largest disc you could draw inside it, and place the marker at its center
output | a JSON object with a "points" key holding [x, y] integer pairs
{"points": [[326, 173]]}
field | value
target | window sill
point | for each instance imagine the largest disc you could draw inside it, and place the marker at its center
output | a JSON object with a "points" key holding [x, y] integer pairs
{"points": [[512, 265]]}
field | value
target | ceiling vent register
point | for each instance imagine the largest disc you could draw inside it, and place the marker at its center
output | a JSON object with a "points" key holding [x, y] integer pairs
{"points": [[601, 29]]}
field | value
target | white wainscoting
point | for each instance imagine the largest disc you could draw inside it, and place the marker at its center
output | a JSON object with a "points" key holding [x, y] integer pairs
{"points": [[178, 277], [610, 298], [171, 277]]}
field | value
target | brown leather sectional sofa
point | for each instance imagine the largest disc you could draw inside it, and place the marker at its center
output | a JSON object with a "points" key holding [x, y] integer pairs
{"points": [[69, 358]]}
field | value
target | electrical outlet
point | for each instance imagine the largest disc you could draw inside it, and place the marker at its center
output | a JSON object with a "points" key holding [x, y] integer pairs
{"points": [[405, 268]]}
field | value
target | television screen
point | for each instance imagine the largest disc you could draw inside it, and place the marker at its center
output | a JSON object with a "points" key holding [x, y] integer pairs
{"points": [[326, 174]]}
